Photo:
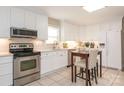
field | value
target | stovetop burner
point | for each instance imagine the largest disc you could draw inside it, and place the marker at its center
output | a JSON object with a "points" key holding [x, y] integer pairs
{"points": [[22, 49]]}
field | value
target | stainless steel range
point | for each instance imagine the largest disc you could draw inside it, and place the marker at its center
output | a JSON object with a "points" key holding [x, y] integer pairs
{"points": [[26, 64]]}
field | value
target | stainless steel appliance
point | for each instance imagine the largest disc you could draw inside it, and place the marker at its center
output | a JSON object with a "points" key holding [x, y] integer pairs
{"points": [[23, 33], [26, 64]]}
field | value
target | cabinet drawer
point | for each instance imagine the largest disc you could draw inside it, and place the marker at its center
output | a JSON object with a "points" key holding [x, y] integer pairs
{"points": [[5, 69], [6, 80], [48, 54], [62, 53], [4, 60]]}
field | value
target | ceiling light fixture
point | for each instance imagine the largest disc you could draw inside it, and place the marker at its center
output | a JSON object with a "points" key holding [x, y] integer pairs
{"points": [[92, 8]]}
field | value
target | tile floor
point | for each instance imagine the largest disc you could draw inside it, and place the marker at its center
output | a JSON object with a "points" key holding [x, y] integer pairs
{"points": [[62, 77]]}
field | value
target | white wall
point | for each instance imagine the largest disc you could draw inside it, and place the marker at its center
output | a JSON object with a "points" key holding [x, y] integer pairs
{"points": [[4, 45], [38, 44]]}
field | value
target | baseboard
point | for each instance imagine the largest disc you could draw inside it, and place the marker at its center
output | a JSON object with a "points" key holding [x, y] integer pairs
{"points": [[111, 68], [122, 69]]}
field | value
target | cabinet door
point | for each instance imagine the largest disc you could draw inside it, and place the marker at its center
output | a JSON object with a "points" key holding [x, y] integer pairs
{"points": [[6, 80], [6, 69], [114, 49], [42, 27], [61, 59], [30, 20], [47, 62], [69, 32], [45, 66], [4, 22], [17, 17]]}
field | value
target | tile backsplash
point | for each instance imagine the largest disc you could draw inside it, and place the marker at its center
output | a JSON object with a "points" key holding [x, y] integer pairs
{"points": [[38, 45], [4, 45]]}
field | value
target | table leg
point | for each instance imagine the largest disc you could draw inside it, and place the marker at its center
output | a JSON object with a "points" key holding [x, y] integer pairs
{"points": [[72, 68], [86, 71], [101, 64]]}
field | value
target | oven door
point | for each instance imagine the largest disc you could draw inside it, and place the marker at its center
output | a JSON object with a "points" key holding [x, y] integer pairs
{"points": [[24, 66]]}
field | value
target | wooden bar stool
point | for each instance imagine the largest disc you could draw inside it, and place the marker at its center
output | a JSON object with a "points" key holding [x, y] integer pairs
{"points": [[92, 61]]}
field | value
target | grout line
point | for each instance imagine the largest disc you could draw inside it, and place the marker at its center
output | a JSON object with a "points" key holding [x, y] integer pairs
{"points": [[64, 77], [115, 78], [39, 83]]}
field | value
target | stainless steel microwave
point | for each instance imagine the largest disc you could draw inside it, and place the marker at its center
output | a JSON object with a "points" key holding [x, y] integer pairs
{"points": [[22, 33]]}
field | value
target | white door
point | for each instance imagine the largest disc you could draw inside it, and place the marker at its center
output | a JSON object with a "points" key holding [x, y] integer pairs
{"points": [[114, 49], [17, 17], [4, 22], [30, 20], [42, 27]]}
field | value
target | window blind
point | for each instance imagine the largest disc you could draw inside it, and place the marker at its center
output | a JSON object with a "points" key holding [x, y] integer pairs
{"points": [[53, 22]]}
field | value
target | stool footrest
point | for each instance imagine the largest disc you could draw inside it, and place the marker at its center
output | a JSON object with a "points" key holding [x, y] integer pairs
{"points": [[78, 75]]}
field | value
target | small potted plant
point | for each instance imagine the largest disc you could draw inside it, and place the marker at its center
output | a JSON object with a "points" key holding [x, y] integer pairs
{"points": [[92, 44], [87, 44]]}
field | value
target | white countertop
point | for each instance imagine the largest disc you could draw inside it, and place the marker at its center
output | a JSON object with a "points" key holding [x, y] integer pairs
{"points": [[62, 49], [53, 50], [2, 54]]}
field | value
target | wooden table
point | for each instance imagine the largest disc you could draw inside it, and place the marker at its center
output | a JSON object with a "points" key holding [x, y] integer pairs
{"points": [[85, 56]]}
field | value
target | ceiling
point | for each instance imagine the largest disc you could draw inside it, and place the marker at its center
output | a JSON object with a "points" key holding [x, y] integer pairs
{"points": [[77, 15]]}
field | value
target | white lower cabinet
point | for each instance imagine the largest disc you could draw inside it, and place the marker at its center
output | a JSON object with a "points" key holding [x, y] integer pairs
{"points": [[62, 58], [6, 80], [6, 71], [51, 61], [47, 61]]}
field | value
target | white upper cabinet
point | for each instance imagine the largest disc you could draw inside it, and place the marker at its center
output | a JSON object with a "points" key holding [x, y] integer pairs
{"points": [[30, 20], [4, 22], [22, 18], [82, 33], [69, 32], [92, 32], [42, 27], [27, 19], [17, 17]]}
